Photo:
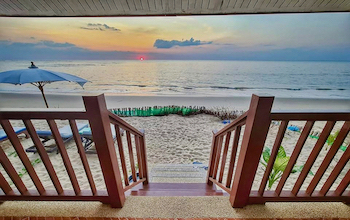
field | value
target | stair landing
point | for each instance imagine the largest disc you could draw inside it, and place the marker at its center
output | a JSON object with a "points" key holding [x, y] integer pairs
{"points": [[175, 189]]}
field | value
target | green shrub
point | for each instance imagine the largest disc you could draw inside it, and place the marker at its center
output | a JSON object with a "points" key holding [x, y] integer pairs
{"points": [[279, 165]]}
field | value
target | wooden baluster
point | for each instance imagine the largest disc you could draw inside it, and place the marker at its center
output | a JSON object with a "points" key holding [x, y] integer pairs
{"points": [[336, 171], [121, 154], [312, 158], [62, 148], [139, 161], [212, 159], [5, 186], [82, 155], [22, 155], [256, 129], [6, 163], [293, 158], [218, 156], [233, 156], [224, 155], [343, 184], [274, 152], [328, 158], [43, 155], [131, 156], [144, 159], [98, 116]]}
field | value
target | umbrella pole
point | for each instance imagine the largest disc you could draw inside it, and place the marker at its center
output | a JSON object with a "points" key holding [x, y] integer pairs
{"points": [[42, 93]]}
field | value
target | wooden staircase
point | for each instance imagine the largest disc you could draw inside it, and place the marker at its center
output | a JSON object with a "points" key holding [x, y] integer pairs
{"points": [[175, 189], [176, 180]]}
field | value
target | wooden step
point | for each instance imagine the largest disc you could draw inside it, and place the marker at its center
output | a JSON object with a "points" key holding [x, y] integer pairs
{"points": [[175, 193], [175, 189]]}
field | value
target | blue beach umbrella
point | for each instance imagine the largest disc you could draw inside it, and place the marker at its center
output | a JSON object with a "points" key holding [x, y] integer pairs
{"points": [[38, 77]]}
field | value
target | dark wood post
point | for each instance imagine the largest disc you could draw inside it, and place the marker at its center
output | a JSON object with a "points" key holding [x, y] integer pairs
{"points": [[97, 112], [256, 129]]}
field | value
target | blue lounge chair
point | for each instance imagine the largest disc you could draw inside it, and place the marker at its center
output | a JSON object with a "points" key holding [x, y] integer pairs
{"points": [[18, 130], [65, 132], [86, 136]]}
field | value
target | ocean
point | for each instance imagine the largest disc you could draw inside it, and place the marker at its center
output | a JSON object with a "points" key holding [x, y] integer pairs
{"points": [[195, 78]]}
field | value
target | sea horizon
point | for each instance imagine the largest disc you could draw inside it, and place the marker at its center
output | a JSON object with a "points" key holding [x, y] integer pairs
{"points": [[227, 78]]}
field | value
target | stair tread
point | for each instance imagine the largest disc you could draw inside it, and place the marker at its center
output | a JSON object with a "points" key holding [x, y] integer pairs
{"points": [[175, 193], [179, 186], [178, 175]]}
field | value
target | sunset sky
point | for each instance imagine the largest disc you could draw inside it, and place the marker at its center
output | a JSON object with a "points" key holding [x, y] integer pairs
{"points": [[320, 36]]}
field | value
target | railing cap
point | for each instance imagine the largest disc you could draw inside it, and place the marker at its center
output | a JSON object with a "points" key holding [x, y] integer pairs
{"points": [[42, 109]]}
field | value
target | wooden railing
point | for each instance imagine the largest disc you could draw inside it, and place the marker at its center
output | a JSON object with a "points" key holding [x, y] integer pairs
{"points": [[140, 146], [99, 119], [257, 121], [216, 158]]}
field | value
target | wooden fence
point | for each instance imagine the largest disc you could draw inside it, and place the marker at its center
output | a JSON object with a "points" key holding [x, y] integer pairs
{"points": [[241, 174], [100, 120]]}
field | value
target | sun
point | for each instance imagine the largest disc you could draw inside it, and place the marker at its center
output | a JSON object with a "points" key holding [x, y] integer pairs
{"points": [[141, 58]]}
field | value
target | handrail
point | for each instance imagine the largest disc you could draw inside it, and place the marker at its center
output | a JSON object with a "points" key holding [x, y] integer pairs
{"points": [[52, 115], [100, 120], [237, 122], [114, 118], [257, 123], [138, 147], [311, 116]]}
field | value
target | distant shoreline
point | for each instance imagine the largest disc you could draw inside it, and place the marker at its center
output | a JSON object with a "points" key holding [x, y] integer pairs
{"points": [[73, 100]]}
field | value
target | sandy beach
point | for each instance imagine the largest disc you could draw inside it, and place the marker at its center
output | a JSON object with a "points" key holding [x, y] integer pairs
{"points": [[170, 139], [28, 100]]}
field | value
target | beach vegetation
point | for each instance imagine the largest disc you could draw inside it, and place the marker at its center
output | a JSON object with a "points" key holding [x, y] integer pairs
{"points": [[158, 111], [222, 113], [279, 166], [331, 138]]}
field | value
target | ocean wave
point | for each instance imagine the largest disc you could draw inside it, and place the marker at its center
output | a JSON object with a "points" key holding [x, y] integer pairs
{"points": [[227, 87], [71, 65], [293, 89], [324, 89], [141, 86], [273, 88]]}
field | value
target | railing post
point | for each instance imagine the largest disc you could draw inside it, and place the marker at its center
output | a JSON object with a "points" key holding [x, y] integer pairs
{"points": [[212, 159], [144, 159], [256, 129], [97, 112]]}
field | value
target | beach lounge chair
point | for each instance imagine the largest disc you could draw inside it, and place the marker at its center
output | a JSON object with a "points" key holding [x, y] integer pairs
{"points": [[65, 132], [18, 130], [86, 136]]}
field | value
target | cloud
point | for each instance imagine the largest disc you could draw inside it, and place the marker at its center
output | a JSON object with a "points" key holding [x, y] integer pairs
{"points": [[49, 50], [54, 44], [99, 27], [146, 30], [159, 43]]}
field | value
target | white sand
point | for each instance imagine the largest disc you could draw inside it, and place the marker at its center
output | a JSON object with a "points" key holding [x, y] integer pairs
{"points": [[24, 100]]}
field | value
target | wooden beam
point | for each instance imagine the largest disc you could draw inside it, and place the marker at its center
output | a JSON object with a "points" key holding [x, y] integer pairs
{"points": [[99, 119], [82, 155], [313, 155], [256, 129], [293, 158], [22, 155], [43, 155], [233, 156]]}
